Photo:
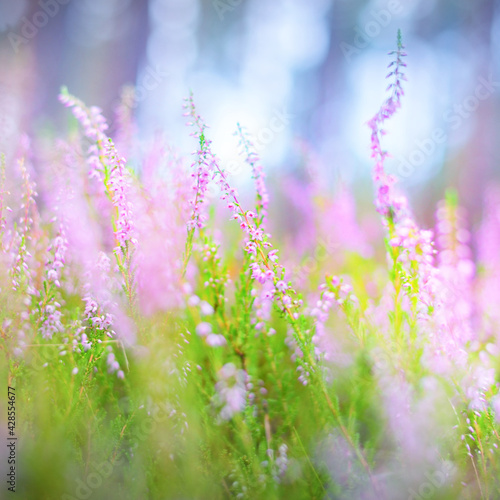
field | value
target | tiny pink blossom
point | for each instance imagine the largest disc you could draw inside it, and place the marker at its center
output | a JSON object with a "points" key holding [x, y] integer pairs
{"points": [[204, 329]]}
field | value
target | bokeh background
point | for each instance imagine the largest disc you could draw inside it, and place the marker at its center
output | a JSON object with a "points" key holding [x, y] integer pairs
{"points": [[298, 74]]}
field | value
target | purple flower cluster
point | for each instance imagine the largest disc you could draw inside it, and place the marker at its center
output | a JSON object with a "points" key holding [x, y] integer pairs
{"points": [[204, 329], [113, 364], [105, 161], [204, 165], [231, 390], [97, 310], [281, 463], [55, 265], [91, 119], [51, 322], [262, 306], [109, 167], [265, 268], [94, 127], [51, 310], [119, 187], [411, 248]]}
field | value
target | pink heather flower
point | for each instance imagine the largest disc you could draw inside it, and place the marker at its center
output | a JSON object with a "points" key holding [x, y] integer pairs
{"points": [[51, 315], [272, 255], [231, 390], [256, 239], [85, 342], [100, 307], [411, 247], [269, 274], [59, 247], [235, 398], [205, 167], [216, 340], [94, 125], [204, 329], [281, 463], [262, 305], [51, 322], [251, 248], [257, 273], [113, 365], [227, 371], [194, 300], [208, 168], [91, 119], [206, 309]]}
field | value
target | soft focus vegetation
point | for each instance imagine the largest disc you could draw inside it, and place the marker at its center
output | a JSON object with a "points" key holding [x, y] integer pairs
{"points": [[164, 345]]}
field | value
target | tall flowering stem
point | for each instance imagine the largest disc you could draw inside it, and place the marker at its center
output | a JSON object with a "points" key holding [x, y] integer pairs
{"points": [[252, 159], [265, 269], [387, 204], [49, 321], [266, 266], [407, 244], [203, 173], [107, 166], [117, 182]]}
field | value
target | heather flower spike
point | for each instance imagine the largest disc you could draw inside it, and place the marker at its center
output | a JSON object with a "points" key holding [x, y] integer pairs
{"points": [[386, 201], [204, 172], [109, 168]]}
